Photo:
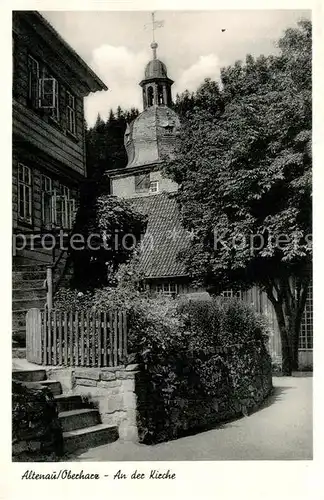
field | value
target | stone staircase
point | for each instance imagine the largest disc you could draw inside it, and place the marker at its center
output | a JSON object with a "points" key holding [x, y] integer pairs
{"points": [[81, 423], [28, 291]]}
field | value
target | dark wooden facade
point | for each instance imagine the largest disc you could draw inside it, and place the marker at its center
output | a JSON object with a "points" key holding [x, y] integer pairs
{"points": [[48, 140], [50, 82]]}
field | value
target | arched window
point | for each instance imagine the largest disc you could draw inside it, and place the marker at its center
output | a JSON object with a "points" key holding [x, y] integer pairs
{"points": [[160, 95], [144, 99], [150, 96]]}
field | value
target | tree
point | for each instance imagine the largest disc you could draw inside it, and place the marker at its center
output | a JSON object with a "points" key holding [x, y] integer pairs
{"points": [[244, 169], [100, 213], [105, 142], [111, 230]]}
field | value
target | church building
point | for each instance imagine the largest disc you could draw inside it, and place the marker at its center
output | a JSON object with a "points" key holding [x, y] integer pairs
{"points": [[149, 140]]}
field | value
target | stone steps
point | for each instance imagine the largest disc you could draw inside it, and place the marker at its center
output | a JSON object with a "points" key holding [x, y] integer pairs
{"points": [[67, 402], [81, 424], [53, 385], [79, 419], [29, 375], [89, 437]]}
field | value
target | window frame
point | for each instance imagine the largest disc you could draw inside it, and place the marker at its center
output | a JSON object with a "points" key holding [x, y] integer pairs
{"points": [[146, 180], [165, 288], [26, 186], [156, 183], [47, 190], [67, 209], [231, 294], [307, 324], [54, 108]]}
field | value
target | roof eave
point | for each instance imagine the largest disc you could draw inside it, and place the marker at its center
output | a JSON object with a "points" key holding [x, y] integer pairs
{"points": [[93, 81]]}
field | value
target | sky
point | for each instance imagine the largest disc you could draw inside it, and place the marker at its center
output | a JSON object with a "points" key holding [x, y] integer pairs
{"points": [[116, 45]]}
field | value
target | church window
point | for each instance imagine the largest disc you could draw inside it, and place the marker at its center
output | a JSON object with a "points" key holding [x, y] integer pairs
{"points": [[150, 96], [160, 95], [154, 186], [142, 183]]}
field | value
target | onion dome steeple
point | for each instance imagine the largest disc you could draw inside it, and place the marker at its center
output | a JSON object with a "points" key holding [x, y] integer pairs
{"points": [[152, 137]]}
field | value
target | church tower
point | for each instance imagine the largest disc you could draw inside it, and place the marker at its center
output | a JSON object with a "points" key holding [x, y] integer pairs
{"points": [[151, 138]]}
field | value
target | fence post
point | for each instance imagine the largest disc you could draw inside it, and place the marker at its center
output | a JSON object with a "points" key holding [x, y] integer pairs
{"points": [[49, 281], [34, 336]]}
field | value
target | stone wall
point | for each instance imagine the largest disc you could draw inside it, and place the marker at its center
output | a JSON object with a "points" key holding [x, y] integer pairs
{"points": [[112, 390]]}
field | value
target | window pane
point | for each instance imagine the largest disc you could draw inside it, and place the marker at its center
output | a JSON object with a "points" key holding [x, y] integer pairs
{"points": [[21, 200], [28, 202], [20, 172]]}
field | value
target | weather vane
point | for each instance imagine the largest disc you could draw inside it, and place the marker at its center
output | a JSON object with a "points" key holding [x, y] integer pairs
{"points": [[154, 25]]}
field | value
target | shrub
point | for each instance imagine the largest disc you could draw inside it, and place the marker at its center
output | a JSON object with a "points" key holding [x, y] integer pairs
{"points": [[114, 228], [200, 362], [35, 424], [208, 364]]}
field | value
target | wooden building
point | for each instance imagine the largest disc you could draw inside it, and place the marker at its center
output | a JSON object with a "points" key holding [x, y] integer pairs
{"points": [[50, 81]]}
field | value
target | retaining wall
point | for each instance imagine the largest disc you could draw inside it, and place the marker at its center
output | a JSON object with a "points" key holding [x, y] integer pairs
{"points": [[111, 389]]}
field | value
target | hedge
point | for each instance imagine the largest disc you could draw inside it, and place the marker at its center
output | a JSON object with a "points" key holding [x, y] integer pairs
{"points": [[201, 362], [213, 366]]}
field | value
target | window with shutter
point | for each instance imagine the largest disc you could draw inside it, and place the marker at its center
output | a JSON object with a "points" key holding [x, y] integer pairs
{"points": [[49, 94]]}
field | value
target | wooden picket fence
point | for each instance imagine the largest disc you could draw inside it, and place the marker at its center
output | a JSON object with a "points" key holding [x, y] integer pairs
{"points": [[76, 338]]}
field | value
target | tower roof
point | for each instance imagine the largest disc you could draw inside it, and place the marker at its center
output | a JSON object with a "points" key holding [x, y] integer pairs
{"points": [[152, 136], [155, 69]]}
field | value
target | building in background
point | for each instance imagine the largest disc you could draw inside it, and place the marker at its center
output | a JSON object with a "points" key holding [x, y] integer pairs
{"points": [[149, 140]]}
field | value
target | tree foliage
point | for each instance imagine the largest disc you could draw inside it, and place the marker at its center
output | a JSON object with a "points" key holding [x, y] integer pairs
{"points": [[103, 218], [105, 142], [111, 230], [244, 167]]}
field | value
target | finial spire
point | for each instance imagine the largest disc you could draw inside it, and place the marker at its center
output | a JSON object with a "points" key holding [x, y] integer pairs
{"points": [[155, 24], [154, 46]]}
